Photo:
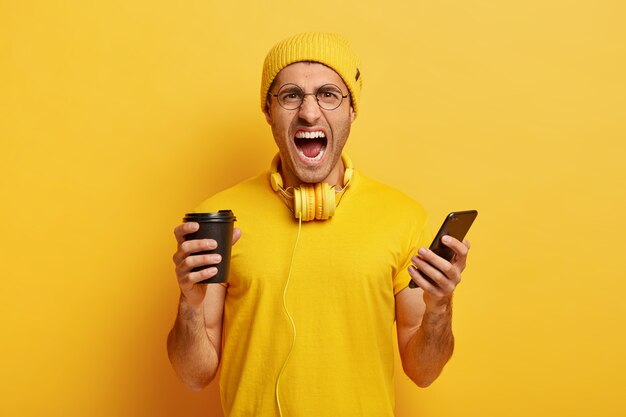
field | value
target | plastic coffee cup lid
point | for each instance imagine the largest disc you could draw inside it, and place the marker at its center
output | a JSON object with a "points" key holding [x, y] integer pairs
{"points": [[222, 216]]}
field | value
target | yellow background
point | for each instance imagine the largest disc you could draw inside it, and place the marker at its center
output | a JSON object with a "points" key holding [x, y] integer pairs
{"points": [[116, 117]]}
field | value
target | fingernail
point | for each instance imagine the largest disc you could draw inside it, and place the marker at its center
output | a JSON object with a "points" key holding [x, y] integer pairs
{"points": [[446, 239], [422, 251]]}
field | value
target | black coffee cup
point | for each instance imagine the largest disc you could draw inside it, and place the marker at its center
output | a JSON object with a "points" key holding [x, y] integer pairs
{"points": [[219, 227]]}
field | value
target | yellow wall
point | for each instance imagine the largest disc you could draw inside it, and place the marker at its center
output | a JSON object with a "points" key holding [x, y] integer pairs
{"points": [[116, 117]]}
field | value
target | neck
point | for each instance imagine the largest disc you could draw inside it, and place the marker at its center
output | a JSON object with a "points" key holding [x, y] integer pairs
{"points": [[335, 177]]}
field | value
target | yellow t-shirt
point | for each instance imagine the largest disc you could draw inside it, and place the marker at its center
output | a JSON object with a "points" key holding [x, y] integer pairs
{"points": [[345, 274]]}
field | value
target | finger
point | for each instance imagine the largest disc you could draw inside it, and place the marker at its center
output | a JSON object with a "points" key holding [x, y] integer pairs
{"points": [[459, 248], [197, 276], [182, 229], [191, 262], [236, 235], [436, 277], [445, 280], [460, 251], [424, 283], [189, 247], [467, 244], [440, 264]]}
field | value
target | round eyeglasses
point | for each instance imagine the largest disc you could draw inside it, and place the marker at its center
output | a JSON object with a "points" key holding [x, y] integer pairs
{"points": [[291, 96]]}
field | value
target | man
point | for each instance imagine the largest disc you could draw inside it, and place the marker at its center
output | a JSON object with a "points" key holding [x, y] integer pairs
{"points": [[304, 326]]}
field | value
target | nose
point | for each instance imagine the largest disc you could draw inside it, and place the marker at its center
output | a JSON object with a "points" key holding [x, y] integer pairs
{"points": [[309, 110]]}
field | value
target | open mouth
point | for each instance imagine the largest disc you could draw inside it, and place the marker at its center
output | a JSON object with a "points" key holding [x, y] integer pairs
{"points": [[311, 145]]}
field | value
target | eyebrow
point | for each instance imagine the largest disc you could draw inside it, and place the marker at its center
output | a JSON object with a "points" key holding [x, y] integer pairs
{"points": [[330, 87], [290, 88]]}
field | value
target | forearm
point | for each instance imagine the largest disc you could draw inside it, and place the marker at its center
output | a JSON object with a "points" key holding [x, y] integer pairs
{"points": [[430, 348], [193, 355]]}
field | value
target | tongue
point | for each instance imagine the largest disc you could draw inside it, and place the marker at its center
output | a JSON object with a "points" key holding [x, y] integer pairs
{"points": [[311, 147]]}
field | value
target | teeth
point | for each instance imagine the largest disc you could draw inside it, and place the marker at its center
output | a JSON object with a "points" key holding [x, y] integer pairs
{"points": [[310, 135]]}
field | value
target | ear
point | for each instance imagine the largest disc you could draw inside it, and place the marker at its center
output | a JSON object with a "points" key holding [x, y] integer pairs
{"points": [[352, 114], [267, 111]]}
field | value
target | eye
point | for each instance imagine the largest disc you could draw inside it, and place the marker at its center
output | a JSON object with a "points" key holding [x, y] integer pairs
{"points": [[290, 95], [329, 93]]}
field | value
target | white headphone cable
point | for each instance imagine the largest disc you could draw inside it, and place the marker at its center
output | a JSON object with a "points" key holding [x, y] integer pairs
{"points": [[293, 325]]}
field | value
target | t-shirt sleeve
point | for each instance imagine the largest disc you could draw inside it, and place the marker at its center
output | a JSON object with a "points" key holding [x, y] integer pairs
{"points": [[421, 236]]}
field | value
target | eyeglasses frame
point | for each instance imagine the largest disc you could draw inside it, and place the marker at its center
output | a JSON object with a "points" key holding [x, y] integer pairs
{"points": [[310, 94]]}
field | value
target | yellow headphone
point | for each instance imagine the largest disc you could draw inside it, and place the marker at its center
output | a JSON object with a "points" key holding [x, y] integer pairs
{"points": [[311, 201]]}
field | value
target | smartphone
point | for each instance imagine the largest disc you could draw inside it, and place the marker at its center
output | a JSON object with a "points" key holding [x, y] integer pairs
{"points": [[456, 225]]}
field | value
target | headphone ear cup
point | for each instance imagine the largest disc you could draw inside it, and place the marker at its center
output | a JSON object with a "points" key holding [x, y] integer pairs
{"points": [[314, 202], [325, 201], [310, 201], [304, 202], [329, 201], [319, 201], [297, 203]]}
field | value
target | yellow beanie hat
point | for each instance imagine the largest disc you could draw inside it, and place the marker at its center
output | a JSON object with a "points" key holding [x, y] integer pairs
{"points": [[329, 49]]}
